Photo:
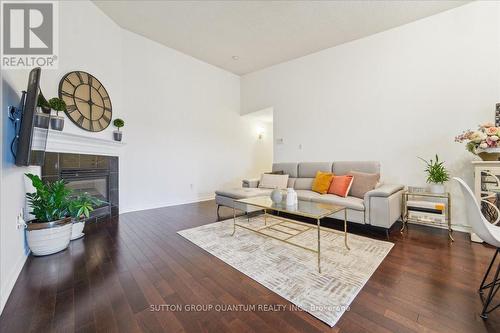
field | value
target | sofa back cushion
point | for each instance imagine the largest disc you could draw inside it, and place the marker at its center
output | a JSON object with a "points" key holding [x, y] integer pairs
{"points": [[321, 182], [303, 183], [341, 185], [344, 167], [287, 168], [309, 169], [362, 183], [273, 181]]}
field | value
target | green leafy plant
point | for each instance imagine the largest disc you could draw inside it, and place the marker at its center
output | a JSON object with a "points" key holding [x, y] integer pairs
{"points": [[51, 201], [436, 171], [57, 104], [82, 205], [42, 103], [118, 123]]}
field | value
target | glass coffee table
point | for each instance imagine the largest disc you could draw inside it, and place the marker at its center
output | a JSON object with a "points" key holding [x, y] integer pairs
{"points": [[286, 226]]}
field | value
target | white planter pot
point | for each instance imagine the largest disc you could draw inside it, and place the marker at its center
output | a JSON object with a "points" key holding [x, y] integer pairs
{"points": [[48, 238], [77, 230], [437, 188]]}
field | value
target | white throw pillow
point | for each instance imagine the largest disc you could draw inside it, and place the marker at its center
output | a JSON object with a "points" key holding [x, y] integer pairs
{"points": [[273, 181]]}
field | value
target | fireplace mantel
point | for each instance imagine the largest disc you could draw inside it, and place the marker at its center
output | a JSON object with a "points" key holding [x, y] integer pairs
{"points": [[63, 142]]}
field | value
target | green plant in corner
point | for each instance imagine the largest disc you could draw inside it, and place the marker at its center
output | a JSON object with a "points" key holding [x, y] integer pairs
{"points": [[57, 104], [118, 123], [436, 171], [50, 202], [82, 205]]}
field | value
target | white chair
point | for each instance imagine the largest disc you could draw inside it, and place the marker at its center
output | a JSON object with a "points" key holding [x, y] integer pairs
{"points": [[488, 233]]}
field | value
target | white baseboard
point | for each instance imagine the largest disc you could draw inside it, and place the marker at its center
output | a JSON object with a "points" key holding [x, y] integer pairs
{"points": [[200, 199], [8, 285]]}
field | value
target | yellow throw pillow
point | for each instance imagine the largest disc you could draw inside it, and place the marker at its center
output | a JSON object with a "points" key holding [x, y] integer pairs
{"points": [[321, 183]]}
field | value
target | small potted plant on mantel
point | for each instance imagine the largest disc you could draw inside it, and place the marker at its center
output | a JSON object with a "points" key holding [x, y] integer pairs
{"points": [[50, 231], [42, 116], [80, 209], [57, 122], [118, 123], [436, 175]]}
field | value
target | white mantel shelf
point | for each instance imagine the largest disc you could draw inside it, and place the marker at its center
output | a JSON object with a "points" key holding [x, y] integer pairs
{"points": [[63, 142]]}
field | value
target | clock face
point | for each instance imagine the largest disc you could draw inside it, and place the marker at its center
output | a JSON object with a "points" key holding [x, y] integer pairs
{"points": [[87, 101]]}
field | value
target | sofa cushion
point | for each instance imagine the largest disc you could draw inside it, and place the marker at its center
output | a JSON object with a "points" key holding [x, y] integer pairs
{"points": [[287, 168], [322, 182], [306, 195], [343, 167], [243, 192], [341, 185], [273, 181], [303, 183], [362, 183], [309, 169], [349, 202]]}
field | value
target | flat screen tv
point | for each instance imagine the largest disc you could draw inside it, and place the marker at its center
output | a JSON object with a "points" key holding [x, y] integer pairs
{"points": [[31, 136]]}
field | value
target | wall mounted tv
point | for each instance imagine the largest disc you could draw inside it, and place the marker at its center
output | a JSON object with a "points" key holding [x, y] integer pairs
{"points": [[30, 127]]}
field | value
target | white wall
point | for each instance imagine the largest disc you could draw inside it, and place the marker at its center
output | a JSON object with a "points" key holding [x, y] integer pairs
{"points": [[399, 94], [183, 128]]}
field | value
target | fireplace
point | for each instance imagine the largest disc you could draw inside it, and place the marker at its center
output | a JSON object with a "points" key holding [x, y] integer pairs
{"points": [[97, 175]]}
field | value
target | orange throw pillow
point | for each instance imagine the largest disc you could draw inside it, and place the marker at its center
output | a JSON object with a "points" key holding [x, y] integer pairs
{"points": [[341, 185], [321, 183]]}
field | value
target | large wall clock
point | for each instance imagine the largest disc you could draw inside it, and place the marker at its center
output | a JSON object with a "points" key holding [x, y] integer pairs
{"points": [[88, 103]]}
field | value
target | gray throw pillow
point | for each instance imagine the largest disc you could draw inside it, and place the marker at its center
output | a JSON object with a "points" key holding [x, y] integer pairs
{"points": [[362, 183]]}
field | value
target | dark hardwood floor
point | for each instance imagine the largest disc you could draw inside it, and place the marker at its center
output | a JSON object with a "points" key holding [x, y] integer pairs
{"points": [[107, 281]]}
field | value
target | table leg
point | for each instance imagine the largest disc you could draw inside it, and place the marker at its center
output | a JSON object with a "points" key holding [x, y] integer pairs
{"points": [[403, 216], [319, 247], [234, 221], [345, 229], [450, 230]]}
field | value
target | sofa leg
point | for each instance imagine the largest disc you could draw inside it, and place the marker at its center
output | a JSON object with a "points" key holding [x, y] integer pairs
{"points": [[387, 234], [218, 215]]}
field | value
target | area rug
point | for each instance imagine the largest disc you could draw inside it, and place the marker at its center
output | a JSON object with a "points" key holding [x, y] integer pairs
{"points": [[292, 272]]}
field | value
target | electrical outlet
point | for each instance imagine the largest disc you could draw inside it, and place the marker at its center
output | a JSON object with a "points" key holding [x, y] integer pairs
{"points": [[20, 223]]}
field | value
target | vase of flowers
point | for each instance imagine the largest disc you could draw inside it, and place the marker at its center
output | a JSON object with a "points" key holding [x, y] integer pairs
{"points": [[483, 142]]}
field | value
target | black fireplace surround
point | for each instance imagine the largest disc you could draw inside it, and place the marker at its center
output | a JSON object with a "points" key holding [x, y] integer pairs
{"points": [[94, 174]]}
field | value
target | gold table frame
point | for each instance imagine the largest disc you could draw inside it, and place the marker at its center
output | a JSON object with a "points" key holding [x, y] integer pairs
{"points": [[333, 209], [446, 196]]}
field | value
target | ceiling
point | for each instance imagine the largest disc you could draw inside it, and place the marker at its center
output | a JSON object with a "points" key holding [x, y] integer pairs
{"points": [[262, 33]]}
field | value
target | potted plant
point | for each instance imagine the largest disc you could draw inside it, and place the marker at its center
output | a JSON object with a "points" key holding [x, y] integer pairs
{"points": [[80, 209], [118, 123], [50, 231], [436, 175], [42, 116], [57, 122], [484, 142]]}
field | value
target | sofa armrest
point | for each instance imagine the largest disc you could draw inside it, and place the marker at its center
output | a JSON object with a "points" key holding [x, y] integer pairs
{"points": [[254, 183], [383, 205], [384, 191]]}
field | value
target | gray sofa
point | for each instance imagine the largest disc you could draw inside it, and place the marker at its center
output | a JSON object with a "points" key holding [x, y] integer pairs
{"points": [[380, 207]]}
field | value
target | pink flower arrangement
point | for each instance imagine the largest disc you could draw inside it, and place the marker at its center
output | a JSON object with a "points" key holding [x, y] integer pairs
{"points": [[486, 136]]}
